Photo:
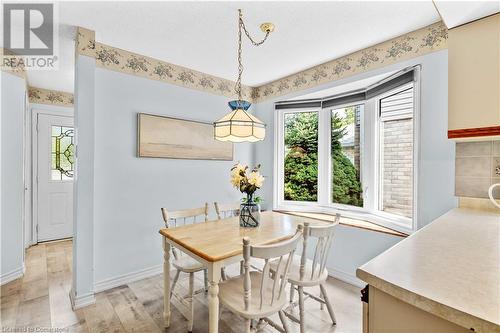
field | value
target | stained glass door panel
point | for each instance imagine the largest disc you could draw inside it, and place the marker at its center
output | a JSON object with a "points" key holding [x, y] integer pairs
{"points": [[63, 153]]}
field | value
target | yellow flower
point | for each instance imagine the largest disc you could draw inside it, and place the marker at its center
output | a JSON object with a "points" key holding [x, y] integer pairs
{"points": [[239, 167], [256, 179], [235, 179]]}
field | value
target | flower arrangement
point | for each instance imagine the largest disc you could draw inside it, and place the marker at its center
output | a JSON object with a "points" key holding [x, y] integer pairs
{"points": [[246, 183]]}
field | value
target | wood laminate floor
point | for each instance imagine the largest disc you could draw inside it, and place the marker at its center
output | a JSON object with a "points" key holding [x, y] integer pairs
{"points": [[40, 300]]}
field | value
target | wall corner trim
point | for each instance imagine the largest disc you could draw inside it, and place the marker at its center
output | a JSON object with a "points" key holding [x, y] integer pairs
{"points": [[346, 277], [127, 278], [78, 302], [12, 275]]}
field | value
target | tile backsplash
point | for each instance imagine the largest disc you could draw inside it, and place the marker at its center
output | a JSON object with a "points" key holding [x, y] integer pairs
{"points": [[477, 166]]}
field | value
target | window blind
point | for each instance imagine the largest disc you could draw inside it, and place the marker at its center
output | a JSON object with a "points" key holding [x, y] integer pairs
{"points": [[392, 82], [397, 105]]}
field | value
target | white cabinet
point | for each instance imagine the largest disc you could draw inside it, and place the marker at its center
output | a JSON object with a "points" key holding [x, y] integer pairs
{"points": [[474, 79]]}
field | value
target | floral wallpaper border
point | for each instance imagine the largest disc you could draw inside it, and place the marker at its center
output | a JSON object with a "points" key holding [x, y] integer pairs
{"points": [[85, 42], [132, 63], [11, 66], [416, 43], [52, 97], [119, 60]]}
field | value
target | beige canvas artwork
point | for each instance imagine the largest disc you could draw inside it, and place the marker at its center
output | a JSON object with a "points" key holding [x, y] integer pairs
{"points": [[166, 137]]}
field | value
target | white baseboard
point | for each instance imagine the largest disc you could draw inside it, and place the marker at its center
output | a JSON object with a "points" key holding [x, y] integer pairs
{"points": [[346, 277], [12, 275], [81, 300], [127, 278]]}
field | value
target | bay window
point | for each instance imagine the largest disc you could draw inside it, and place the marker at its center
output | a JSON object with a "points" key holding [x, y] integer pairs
{"points": [[353, 153]]}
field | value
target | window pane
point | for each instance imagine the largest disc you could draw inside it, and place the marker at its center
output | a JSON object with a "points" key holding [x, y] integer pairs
{"points": [[345, 154], [397, 167], [396, 148], [63, 153], [301, 156]]}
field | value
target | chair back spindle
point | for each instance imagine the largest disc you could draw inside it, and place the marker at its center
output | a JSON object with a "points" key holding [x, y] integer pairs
{"points": [[226, 210], [172, 218], [324, 236]]}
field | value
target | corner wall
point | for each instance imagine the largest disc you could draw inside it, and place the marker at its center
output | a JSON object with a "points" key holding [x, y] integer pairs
{"points": [[13, 109]]}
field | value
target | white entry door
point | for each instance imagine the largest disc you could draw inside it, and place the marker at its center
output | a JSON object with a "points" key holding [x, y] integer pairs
{"points": [[55, 165]]}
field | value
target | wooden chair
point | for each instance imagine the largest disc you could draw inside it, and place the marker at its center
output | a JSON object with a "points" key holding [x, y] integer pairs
{"points": [[227, 210], [224, 211], [258, 295], [311, 273], [184, 263]]}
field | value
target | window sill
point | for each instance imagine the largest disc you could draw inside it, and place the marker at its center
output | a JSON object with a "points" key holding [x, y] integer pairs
{"points": [[356, 223]]}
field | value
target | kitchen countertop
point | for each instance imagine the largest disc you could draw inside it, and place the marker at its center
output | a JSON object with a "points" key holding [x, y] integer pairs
{"points": [[450, 268]]}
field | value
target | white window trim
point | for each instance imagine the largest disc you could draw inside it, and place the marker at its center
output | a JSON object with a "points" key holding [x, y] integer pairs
{"points": [[279, 160], [369, 170]]}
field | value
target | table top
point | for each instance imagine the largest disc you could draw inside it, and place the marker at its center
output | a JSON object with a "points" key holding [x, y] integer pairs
{"points": [[449, 268], [222, 239]]}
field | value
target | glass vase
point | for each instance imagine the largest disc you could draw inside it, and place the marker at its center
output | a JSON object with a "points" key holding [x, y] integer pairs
{"points": [[249, 213]]}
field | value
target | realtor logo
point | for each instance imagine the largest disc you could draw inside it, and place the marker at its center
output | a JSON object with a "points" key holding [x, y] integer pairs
{"points": [[30, 36], [29, 28]]}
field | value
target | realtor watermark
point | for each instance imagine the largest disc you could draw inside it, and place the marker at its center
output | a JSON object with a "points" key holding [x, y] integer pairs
{"points": [[30, 36], [32, 329]]}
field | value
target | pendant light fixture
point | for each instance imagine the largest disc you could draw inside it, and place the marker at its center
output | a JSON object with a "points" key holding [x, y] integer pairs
{"points": [[239, 125]]}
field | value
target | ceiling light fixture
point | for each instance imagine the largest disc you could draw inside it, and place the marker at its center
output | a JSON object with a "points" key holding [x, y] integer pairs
{"points": [[239, 125]]}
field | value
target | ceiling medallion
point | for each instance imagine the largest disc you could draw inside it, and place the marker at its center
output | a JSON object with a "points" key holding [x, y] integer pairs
{"points": [[239, 125]]}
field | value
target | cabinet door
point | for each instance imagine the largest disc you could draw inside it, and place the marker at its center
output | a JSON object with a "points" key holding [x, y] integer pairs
{"points": [[388, 314], [474, 78]]}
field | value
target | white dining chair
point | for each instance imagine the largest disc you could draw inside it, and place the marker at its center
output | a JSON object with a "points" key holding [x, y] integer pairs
{"points": [[257, 295], [226, 210], [184, 263], [223, 211], [305, 272]]}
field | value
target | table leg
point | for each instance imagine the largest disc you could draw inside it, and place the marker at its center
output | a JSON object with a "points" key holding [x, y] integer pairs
{"points": [[166, 282], [213, 296]]}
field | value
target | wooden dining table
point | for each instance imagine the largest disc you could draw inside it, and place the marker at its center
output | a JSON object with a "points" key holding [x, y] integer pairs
{"points": [[218, 244]]}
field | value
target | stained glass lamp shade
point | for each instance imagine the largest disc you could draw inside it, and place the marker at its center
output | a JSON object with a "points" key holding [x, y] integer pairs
{"points": [[239, 125]]}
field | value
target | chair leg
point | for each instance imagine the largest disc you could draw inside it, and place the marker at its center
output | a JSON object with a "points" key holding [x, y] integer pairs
{"points": [[175, 281], [301, 310], [205, 278], [223, 274], [328, 304], [242, 268], [248, 325], [190, 302], [292, 291], [284, 321]]}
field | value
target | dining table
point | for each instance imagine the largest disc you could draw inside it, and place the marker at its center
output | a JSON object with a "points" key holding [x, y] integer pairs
{"points": [[219, 243]]}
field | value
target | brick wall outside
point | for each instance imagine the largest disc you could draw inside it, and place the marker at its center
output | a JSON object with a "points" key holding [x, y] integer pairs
{"points": [[398, 167]]}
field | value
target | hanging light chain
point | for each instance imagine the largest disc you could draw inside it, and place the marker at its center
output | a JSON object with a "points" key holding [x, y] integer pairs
{"points": [[241, 26], [248, 34]]}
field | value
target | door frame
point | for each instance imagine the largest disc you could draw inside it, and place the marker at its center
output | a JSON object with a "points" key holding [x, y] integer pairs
{"points": [[36, 110]]}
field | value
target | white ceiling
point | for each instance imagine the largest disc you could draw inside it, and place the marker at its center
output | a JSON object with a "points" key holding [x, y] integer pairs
{"points": [[455, 13], [203, 35]]}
